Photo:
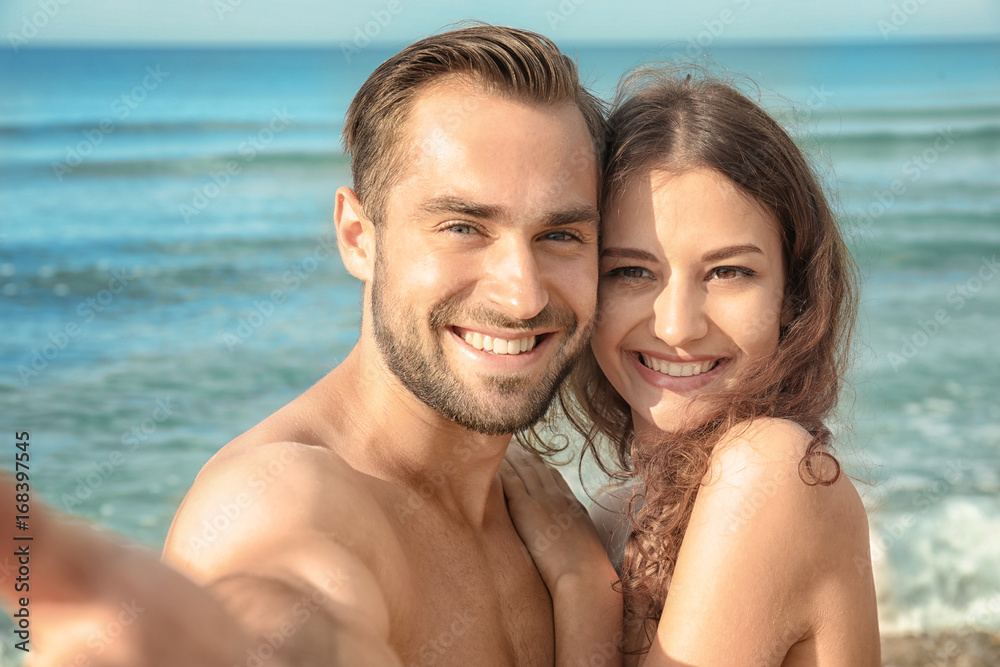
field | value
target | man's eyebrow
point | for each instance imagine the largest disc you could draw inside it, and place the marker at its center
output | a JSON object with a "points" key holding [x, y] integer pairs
{"points": [[628, 253], [457, 205], [447, 204], [572, 216], [731, 251]]}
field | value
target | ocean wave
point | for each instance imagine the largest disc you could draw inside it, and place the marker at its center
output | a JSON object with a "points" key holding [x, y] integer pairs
{"points": [[931, 574], [878, 137], [196, 164], [168, 271], [164, 127], [946, 113]]}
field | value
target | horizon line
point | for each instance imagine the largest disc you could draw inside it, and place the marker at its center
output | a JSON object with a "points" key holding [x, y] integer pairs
{"points": [[147, 45]]}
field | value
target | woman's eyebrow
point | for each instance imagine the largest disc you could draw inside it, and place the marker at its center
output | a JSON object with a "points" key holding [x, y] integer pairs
{"points": [[628, 253], [731, 251]]}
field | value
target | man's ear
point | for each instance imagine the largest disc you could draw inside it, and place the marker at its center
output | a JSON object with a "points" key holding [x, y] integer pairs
{"points": [[355, 235]]}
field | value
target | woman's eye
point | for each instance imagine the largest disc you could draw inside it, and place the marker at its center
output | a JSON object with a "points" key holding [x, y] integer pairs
{"points": [[631, 272], [730, 273]]}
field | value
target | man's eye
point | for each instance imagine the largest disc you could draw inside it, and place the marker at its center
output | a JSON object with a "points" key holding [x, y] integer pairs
{"points": [[561, 236], [462, 229]]}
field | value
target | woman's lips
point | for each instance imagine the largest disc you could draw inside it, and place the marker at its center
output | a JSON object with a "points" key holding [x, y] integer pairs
{"points": [[677, 377]]}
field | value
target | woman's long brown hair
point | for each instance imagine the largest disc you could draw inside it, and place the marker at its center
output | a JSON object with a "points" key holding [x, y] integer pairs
{"points": [[663, 121]]}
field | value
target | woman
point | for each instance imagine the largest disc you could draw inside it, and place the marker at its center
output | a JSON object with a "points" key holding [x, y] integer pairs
{"points": [[727, 302]]}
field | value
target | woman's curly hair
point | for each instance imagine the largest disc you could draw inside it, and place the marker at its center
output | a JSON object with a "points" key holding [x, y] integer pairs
{"points": [[665, 121]]}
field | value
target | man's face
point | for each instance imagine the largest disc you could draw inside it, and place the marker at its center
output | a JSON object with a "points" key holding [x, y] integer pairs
{"points": [[485, 282]]}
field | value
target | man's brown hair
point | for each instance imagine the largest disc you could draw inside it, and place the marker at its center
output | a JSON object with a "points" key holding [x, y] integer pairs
{"points": [[514, 64]]}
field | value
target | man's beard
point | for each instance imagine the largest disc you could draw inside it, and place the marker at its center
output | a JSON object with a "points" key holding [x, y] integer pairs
{"points": [[513, 404]]}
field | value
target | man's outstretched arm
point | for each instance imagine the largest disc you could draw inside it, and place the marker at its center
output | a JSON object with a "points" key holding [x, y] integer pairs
{"points": [[264, 529], [95, 599]]}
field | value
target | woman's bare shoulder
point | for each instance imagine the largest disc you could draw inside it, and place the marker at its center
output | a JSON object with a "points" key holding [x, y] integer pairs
{"points": [[805, 529], [771, 475], [767, 549]]}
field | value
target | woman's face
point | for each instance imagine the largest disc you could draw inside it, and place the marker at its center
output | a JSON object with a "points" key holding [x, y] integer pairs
{"points": [[692, 286]]}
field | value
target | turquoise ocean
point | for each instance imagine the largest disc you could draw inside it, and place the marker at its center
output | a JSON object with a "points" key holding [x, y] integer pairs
{"points": [[166, 276]]}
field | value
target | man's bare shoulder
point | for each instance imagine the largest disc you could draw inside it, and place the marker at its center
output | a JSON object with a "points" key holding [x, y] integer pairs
{"points": [[254, 497]]}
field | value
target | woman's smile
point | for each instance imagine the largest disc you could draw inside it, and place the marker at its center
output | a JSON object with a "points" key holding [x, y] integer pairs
{"points": [[692, 285]]}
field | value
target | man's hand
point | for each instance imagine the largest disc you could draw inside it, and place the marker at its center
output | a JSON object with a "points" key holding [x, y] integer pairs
{"points": [[95, 600]]}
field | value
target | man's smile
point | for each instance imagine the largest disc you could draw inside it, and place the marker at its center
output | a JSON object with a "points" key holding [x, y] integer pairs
{"points": [[496, 344]]}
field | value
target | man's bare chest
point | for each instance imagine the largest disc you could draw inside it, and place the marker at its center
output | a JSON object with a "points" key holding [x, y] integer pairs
{"points": [[471, 602]]}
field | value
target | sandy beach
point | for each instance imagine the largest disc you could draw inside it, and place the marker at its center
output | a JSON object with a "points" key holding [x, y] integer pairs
{"points": [[947, 649]]}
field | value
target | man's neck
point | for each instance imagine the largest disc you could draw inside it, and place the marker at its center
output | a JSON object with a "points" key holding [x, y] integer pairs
{"points": [[396, 437]]}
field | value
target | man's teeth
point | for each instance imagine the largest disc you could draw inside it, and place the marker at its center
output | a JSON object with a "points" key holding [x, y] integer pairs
{"points": [[677, 370], [499, 345]]}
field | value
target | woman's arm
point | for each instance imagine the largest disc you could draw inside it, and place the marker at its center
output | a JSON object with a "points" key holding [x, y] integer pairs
{"points": [[771, 570], [561, 538]]}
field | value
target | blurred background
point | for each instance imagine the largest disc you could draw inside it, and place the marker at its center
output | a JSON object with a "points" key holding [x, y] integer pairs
{"points": [[168, 272]]}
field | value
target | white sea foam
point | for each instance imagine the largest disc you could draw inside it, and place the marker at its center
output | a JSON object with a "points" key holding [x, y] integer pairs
{"points": [[938, 566]]}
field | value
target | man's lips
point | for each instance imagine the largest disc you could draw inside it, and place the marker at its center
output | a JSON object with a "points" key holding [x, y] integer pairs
{"points": [[499, 343]]}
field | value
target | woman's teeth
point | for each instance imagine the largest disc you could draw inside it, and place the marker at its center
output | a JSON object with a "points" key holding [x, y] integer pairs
{"points": [[500, 345], [678, 370]]}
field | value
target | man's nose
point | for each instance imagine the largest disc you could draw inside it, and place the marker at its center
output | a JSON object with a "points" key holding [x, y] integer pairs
{"points": [[514, 281]]}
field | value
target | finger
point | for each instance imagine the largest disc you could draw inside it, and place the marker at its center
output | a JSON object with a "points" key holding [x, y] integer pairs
{"points": [[527, 471], [560, 481], [513, 487], [550, 478]]}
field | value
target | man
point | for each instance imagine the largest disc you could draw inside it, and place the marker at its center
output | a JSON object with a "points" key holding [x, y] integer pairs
{"points": [[364, 523]]}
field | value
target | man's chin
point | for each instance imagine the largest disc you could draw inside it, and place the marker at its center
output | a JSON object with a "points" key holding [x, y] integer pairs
{"points": [[495, 424], [500, 410]]}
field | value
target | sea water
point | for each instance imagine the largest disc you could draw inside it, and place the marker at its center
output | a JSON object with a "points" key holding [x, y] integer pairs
{"points": [[168, 274]]}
